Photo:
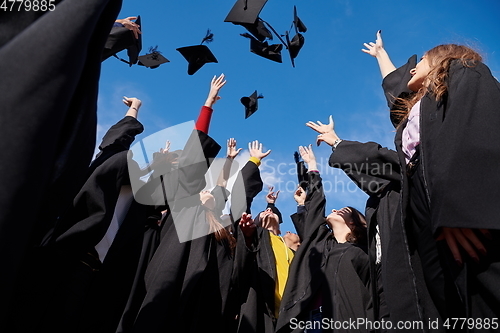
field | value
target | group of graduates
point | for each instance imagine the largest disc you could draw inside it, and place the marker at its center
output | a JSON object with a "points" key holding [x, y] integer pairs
{"points": [[109, 245]]}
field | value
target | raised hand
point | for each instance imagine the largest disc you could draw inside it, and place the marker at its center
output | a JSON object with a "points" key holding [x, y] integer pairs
{"points": [[247, 225], [232, 152], [300, 196], [326, 131], [308, 156], [271, 197], [375, 49], [255, 149], [307, 153], [132, 26], [215, 85], [321, 128]]}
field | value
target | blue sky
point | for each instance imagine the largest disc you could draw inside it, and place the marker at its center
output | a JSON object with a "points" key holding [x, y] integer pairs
{"points": [[331, 75]]}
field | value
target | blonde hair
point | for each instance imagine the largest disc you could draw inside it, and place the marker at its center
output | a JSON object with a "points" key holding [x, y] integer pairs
{"points": [[440, 59]]}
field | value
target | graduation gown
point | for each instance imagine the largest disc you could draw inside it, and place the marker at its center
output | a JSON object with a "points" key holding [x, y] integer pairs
{"points": [[57, 282], [376, 171], [258, 283], [187, 283], [50, 70], [459, 150], [321, 266]]}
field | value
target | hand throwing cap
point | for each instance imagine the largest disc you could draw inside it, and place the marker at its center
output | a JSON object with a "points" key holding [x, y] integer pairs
{"points": [[121, 38], [250, 103]]}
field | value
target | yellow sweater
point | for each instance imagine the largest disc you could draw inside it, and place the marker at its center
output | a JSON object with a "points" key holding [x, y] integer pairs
{"points": [[283, 256]]}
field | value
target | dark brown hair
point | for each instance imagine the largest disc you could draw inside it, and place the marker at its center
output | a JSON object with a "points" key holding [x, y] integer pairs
{"points": [[222, 235], [358, 234], [439, 58]]}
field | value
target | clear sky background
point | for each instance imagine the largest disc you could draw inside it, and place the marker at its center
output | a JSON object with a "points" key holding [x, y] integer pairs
{"points": [[331, 76]]}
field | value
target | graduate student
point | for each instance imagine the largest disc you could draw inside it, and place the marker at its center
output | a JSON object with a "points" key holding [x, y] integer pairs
{"points": [[445, 111], [49, 124], [267, 271], [64, 266], [188, 280], [329, 276]]}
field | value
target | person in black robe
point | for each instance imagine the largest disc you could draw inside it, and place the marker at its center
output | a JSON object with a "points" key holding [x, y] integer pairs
{"points": [[49, 87], [187, 281], [66, 263], [268, 260], [454, 253], [329, 278]]}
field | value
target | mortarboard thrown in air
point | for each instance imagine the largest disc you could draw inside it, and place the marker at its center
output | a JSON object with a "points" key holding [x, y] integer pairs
{"points": [[251, 103], [153, 59], [121, 38], [263, 49], [246, 13], [198, 55], [295, 44]]}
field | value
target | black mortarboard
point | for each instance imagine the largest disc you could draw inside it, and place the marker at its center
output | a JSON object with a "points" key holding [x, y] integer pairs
{"points": [[258, 30], [121, 38], [153, 59], [294, 45], [263, 49], [198, 55], [250, 103], [297, 22], [245, 11]]}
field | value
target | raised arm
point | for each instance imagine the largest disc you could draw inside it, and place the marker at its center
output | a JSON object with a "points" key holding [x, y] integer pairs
{"points": [[134, 104], [231, 154], [326, 132], [378, 51], [203, 122], [315, 200]]}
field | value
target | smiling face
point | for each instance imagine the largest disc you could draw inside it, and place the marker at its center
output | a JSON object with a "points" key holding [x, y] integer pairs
{"points": [[419, 73]]}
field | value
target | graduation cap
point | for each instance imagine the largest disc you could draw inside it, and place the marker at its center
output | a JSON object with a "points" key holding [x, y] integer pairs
{"points": [[198, 55], [297, 22], [153, 59], [258, 30], [250, 103], [245, 11], [121, 38], [295, 44], [302, 175], [263, 49]]}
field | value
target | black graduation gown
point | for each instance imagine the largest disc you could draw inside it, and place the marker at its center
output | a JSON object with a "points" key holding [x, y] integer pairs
{"points": [[50, 70], [376, 171], [459, 150], [258, 283], [59, 280], [187, 283], [340, 272]]}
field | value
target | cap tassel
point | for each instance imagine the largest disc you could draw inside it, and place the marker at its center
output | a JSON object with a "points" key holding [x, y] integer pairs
{"points": [[208, 38]]}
